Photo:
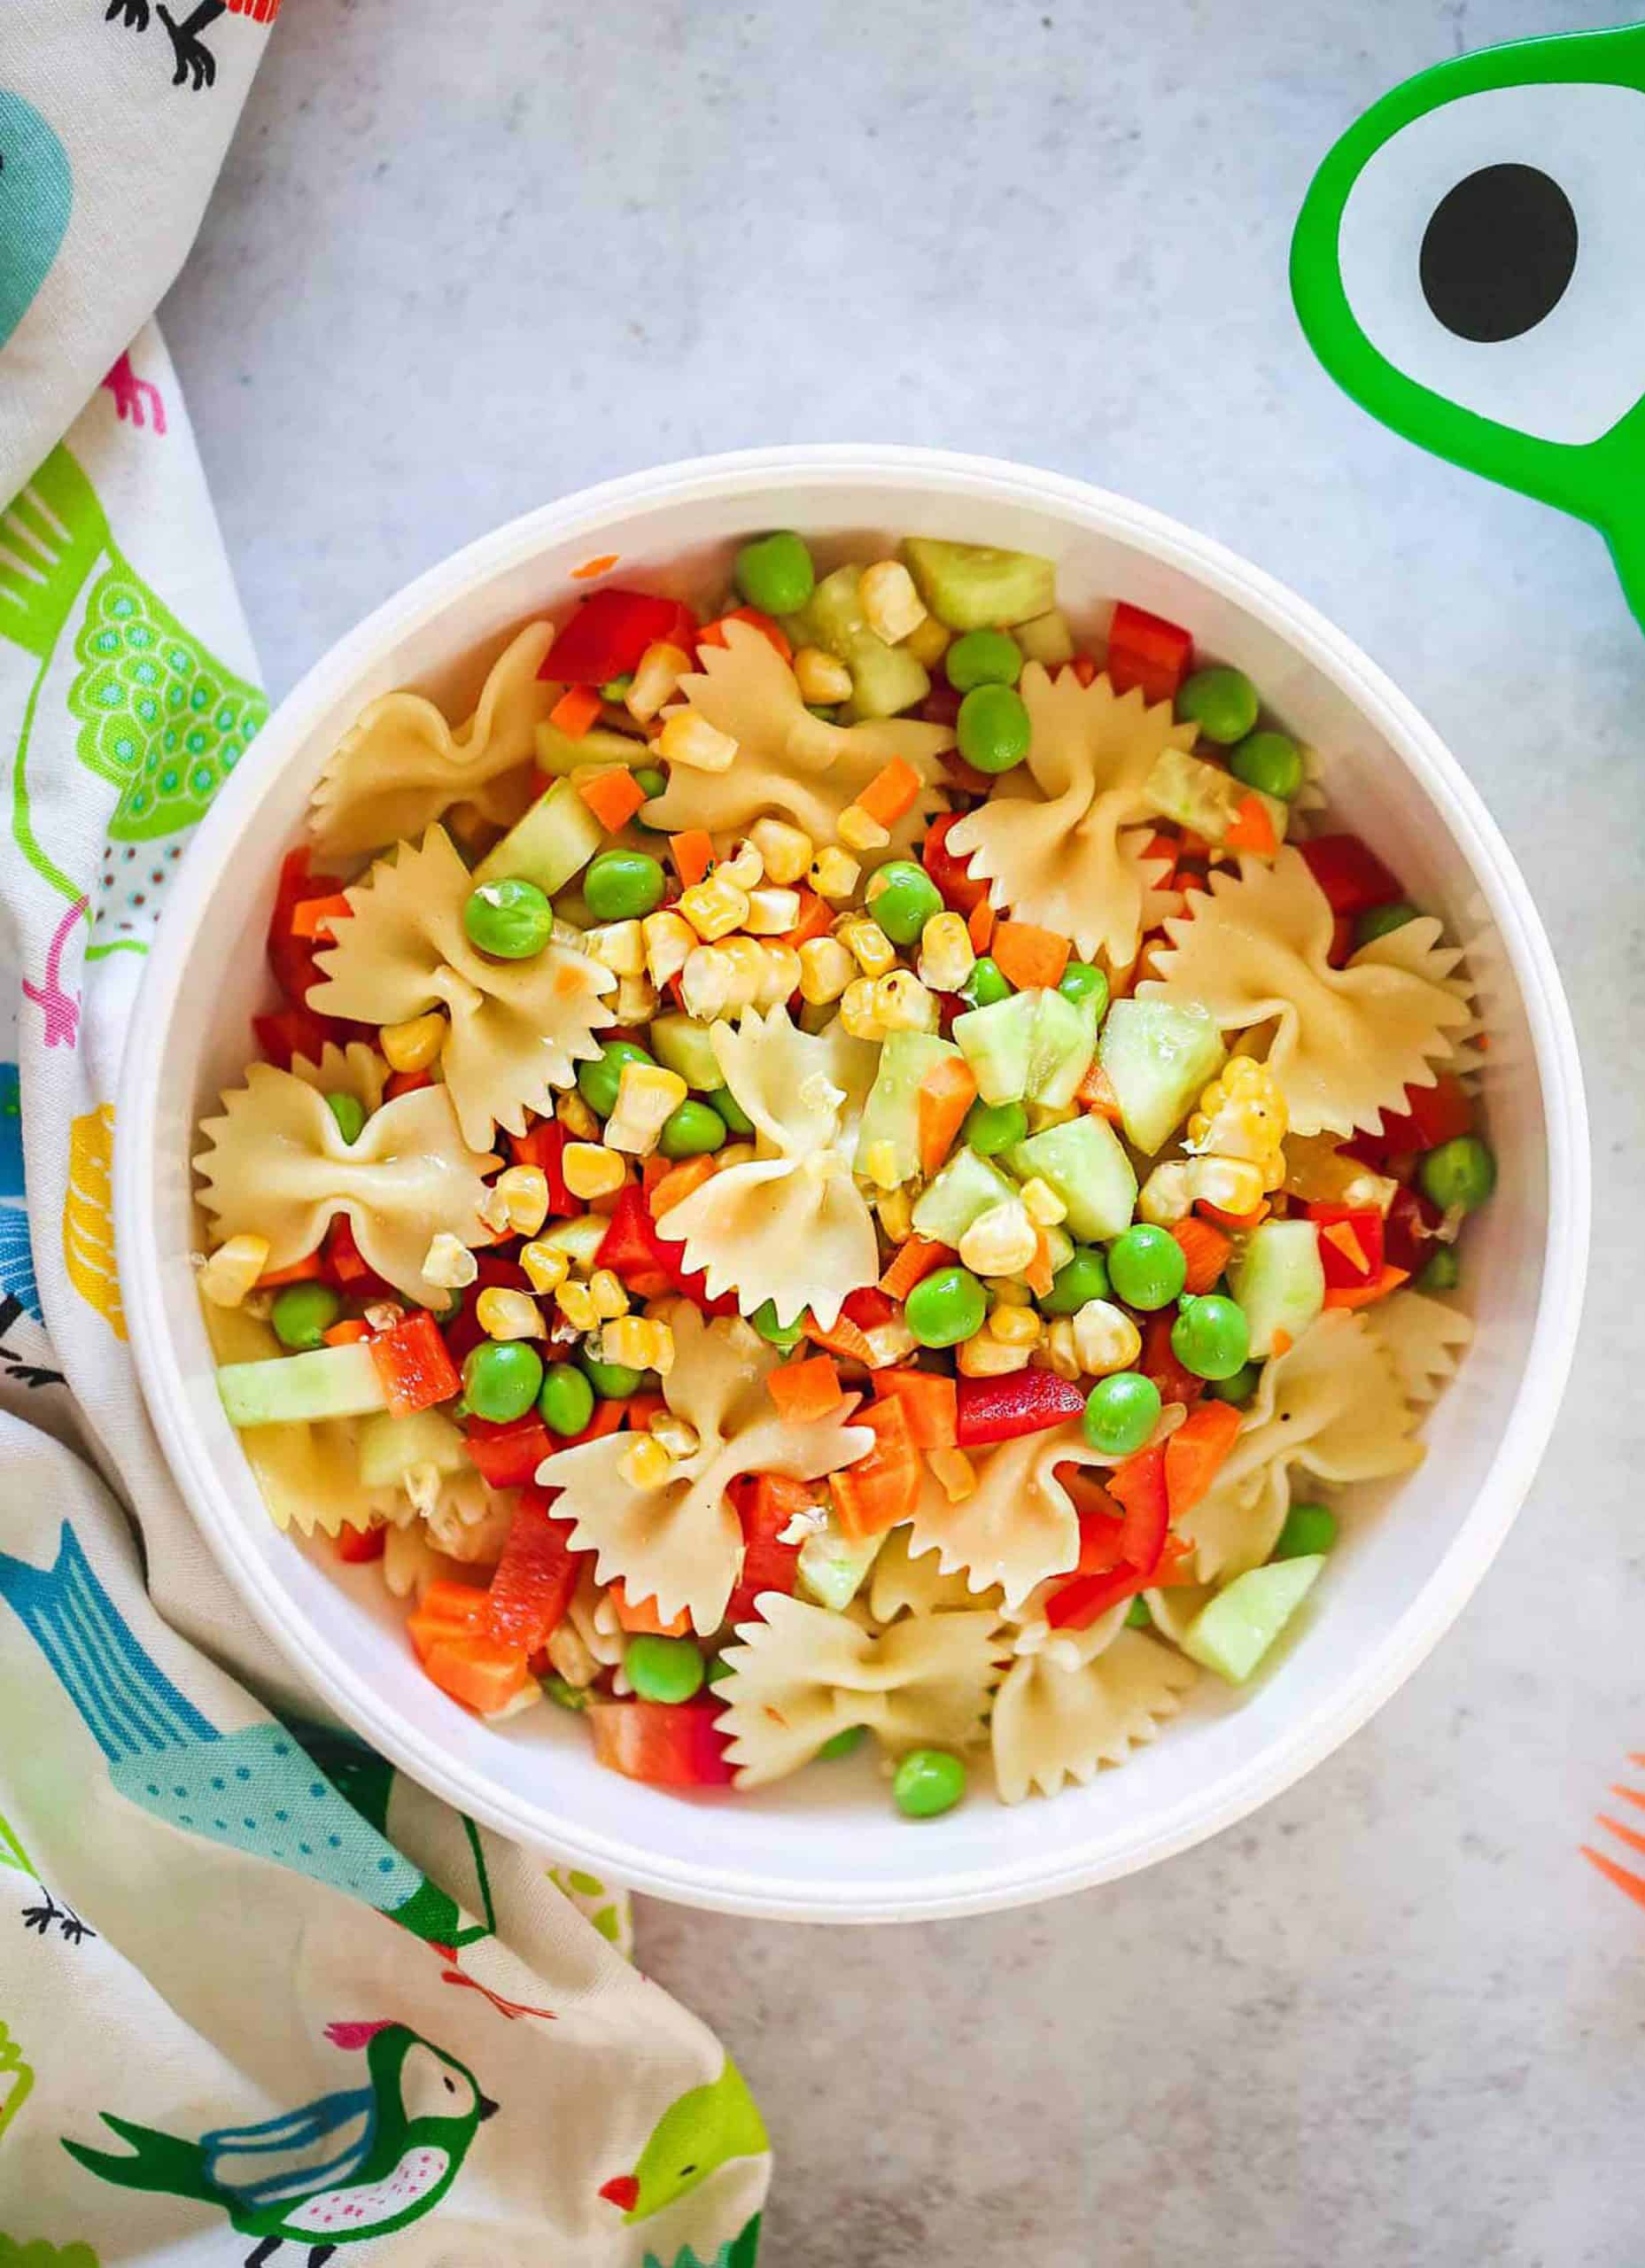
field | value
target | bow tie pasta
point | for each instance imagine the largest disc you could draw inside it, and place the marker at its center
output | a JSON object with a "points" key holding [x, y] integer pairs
{"points": [[1056, 1719]]}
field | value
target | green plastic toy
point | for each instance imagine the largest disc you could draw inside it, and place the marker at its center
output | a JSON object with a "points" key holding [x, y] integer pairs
{"points": [[1469, 265]]}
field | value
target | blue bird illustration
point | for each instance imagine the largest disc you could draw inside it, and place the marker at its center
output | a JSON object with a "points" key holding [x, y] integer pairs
{"points": [[357, 2163], [17, 1258]]}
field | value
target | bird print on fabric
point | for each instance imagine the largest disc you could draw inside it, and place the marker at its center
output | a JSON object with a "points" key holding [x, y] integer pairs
{"points": [[701, 2131], [36, 196], [196, 66]]}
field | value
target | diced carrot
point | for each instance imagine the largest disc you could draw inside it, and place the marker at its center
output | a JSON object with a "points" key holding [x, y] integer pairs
{"points": [[693, 854], [713, 633], [349, 1332], [413, 1364], [575, 710], [590, 567], [445, 1611], [843, 1338], [652, 1170], [1205, 1250], [882, 1487], [945, 1094], [300, 1272], [1282, 1342], [675, 1184], [980, 926], [640, 1617], [1039, 1273], [930, 1401], [892, 793], [816, 918], [316, 917], [1252, 830], [1365, 1296], [1195, 1453], [1233, 1220], [1095, 1093], [613, 796], [911, 1264], [1026, 955], [483, 1674], [405, 1082], [638, 1409], [805, 1391], [608, 1418]]}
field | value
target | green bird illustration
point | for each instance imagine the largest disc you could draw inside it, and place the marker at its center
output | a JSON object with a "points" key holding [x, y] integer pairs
{"points": [[700, 2130], [1469, 265], [361, 2162]]}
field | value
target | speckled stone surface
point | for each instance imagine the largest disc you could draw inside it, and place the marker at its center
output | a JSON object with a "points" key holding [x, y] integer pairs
{"points": [[465, 258]]}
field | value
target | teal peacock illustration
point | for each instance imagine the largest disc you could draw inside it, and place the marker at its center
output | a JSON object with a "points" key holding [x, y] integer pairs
{"points": [[358, 2163], [701, 2131]]}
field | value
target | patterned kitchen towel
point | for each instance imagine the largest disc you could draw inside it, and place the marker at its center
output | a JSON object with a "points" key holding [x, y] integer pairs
{"points": [[261, 1998]]}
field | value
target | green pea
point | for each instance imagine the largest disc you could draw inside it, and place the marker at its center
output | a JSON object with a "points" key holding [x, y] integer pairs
{"points": [[903, 897], [664, 1669], [1080, 983], [349, 1114], [718, 1670], [1211, 1337], [986, 983], [623, 885], [1083, 1278], [993, 1127], [945, 1307], [611, 1381], [1240, 1386], [652, 781], [563, 1694], [992, 728], [1222, 703], [1308, 1528], [617, 689], [781, 1335], [598, 1080], [928, 1781], [1121, 1412], [843, 1743], [566, 1402], [509, 919], [775, 573], [1442, 1271], [501, 1378], [1269, 762], [691, 1132], [303, 1313], [1138, 1617], [1460, 1171], [983, 657], [1146, 1267], [1382, 920], [725, 1106]]}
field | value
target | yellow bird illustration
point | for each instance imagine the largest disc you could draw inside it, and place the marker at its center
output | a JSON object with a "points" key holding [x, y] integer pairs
{"points": [[88, 1218]]}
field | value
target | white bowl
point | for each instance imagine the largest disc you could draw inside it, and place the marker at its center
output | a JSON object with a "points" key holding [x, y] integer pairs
{"points": [[827, 1846]]}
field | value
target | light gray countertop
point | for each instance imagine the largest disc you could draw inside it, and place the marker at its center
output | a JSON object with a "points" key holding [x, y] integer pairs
{"points": [[466, 258]]}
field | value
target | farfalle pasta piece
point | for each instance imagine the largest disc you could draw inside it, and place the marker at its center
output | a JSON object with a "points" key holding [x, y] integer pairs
{"points": [[790, 1226], [277, 1166], [1018, 1526], [518, 1029], [681, 1543], [1053, 1722], [356, 1071], [1346, 1041], [801, 1674], [790, 763], [1051, 839], [1332, 1403], [402, 764], [899, 1583], [1423, 1339]]}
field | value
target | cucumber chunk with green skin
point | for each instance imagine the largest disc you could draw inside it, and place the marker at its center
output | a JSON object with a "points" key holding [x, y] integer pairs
{"points": [[389, 1446], [1046, 638], [891, 1114], [1158, 1056], [885, 680], [1203, 798], [1065, 1034], [682, 1045], [997, 1042], [292, 1389], [973, 586], [1084, 1162], [553, 841], [559, 753], [1231, 1635], [964, 1188], [832, 1566], [1279, 1281]]}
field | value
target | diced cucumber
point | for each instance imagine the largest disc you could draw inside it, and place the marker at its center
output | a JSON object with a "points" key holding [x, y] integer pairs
{"points": [[885, 680], [997, 1042], [1065, 1033], [295, 1390], [389, 1447], [681, 1044], [1158, 1056], [559, 753], [1279, 1281], [1046, 639], [553, 841], [1084, 1162], [891, 1114], [973, 586], [832, 1566], [833, 617], [578, 1239], [1203, 798], [1231, 1634], [966, 1188]]}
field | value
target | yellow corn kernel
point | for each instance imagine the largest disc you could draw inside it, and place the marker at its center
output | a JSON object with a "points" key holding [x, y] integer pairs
{"points": [[1232, 1184], [575, 1302], [822, 677], [892, 606], [867, 944], [880, 1164], [896, 1208], [413, 1045], [568, 1657], [668, 941], [525, 1193], [617, 945], [1001, 1241], [611, 1300], [745, 867], [662, 1347], [834, 873], [634, 1341], [504, 1314], [1015, 1326], [954, 1473], [1163, 1198], [689, 740], [735, 1153], [929, 640], [661, 668], [857, 1011], [903, 1003], [714, 907], [678, 1436], [646, 1096], [889, 1342], [1242, 1114], [1105, 1338], [786, 850], [592, 1171], [636, 1000], [546, 1268], [772, 912], [449, 1264], [233, 1270], [825, 970], [1059, 1352], [493, 1210], [947, 956], [575, 1116], [648, 1464], [706, 983], [1044, 1207], [987, 1358], [779, 972], [1008, 1293], [860, 830]]}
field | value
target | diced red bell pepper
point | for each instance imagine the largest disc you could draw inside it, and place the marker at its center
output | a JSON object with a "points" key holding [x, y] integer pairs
{"points": [[960, 891], [1351, 875], [285, 1032], [346, 1265], [1341, 946], [413, 1362], [1102, 1535], [764, 1506], [1139, 1487], [1431, 1115], [1023, 1402], [666, 1744], [533, 1582], [1408, 1233], [356, 1546], [1082, 1598], [543, 1146], [607, 635], [1145, 650], [1158, 1361], [635, 1250], [941, 705], [508, 1455], [290, 956], [1355, 1257], [869, 1307]]}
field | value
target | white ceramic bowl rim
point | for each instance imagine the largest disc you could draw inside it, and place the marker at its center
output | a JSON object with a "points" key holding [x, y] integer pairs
{"points": [[1430, 1613]]}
